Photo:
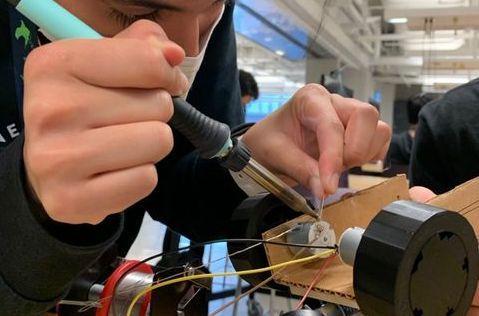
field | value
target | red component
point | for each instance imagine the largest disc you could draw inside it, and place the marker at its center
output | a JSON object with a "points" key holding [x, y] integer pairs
{"points": [[112, 282]]}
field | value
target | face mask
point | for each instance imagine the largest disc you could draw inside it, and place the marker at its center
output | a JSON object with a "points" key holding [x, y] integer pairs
{"points": [[191, 65]]}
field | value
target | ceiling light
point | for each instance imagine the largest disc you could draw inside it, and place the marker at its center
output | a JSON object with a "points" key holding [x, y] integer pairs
{"points": [[451, 1], [432, 80], [398, 20], [437, 44]]}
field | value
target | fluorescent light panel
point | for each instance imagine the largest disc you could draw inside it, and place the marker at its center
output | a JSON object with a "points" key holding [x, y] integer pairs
{"points": [[398, 20]]}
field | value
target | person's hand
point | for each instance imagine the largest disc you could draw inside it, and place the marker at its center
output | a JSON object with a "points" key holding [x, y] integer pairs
{"points": [[423, 195], [95, 120], [316, 136]]}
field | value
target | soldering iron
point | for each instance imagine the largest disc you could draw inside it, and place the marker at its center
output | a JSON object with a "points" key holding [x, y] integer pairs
{"points": [[211, 138]]}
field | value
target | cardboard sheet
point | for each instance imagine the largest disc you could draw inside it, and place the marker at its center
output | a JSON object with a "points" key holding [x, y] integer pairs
{"points": [[336, 284]]}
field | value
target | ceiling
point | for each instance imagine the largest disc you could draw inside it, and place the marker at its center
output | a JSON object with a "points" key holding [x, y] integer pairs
{"points": [[435, 43]]}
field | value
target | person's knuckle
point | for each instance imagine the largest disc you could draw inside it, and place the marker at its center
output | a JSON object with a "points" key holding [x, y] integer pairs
{"points": [[145, 24], [315, 89], [309, 94], [310, 169], [336, 127], [154, 63], [357, 156], [38, 62], [148, 179], [160, 138], [165, 105], [385, 129], [62, 203], [51, 114], [33, 157], [165, 135], [34, 63], [56, 160], [38, 160], [368, 110], [45, 59]]}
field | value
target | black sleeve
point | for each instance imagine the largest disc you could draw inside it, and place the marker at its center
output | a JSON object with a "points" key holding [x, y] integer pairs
{"points": [[400, 149], [427, 167], [39, 259], [446, 147], [196, 198]]}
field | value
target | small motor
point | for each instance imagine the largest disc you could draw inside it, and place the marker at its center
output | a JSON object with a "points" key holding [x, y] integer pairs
{"points": [[413, 259], [311, 233]]}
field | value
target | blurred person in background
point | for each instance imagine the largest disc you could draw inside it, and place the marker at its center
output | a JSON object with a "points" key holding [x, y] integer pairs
{"points": [[446, 147], [401, 144], [249, 87]]}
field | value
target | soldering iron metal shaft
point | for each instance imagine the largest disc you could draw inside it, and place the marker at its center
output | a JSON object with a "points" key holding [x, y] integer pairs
{"points": [[276, 186]]}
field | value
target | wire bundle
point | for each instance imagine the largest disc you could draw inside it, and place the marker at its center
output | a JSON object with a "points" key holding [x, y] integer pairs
{"points": [[322, 255], [177, 278]]}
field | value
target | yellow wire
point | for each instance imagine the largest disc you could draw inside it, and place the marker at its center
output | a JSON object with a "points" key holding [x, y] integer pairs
{"points": [[323, 254]]}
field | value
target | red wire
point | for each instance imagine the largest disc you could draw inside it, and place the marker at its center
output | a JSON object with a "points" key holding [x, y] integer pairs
{"points": [[315, 281]]}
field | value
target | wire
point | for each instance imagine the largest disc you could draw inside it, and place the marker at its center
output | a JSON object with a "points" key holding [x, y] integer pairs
{"points": [[226, 257], [237, 299], [315, 281], [318, 29], [274, 275], [177, 251], [262, 283], [202, 244], [258, 241], [323, 254]]}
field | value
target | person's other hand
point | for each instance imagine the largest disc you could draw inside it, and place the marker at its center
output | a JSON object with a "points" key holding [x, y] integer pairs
{"points": [[316, 136], [422, 195], [96, 114]]}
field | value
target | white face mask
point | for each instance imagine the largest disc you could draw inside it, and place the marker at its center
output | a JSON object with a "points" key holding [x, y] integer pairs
{"points": [[191, 65]]}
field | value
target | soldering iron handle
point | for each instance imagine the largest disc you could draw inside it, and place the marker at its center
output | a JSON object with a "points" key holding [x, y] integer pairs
{"points": [[211, 138]]}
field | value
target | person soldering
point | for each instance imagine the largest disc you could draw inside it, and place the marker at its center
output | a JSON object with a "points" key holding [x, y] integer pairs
{"points": [[97, 141]]}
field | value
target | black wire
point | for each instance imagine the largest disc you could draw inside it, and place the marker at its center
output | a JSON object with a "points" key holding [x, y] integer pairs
{"points": [[318, 29], [202, 244]]}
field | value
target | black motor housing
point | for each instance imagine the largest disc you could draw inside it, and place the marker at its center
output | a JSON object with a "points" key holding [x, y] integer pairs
{"points": [[416, 259]]}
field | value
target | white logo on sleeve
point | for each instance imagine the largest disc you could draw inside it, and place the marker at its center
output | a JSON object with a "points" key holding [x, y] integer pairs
{"points": [[8, 132]]}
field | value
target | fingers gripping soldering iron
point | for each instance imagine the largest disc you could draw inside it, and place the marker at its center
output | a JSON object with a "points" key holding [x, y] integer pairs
{"points": [[212, 139]]}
